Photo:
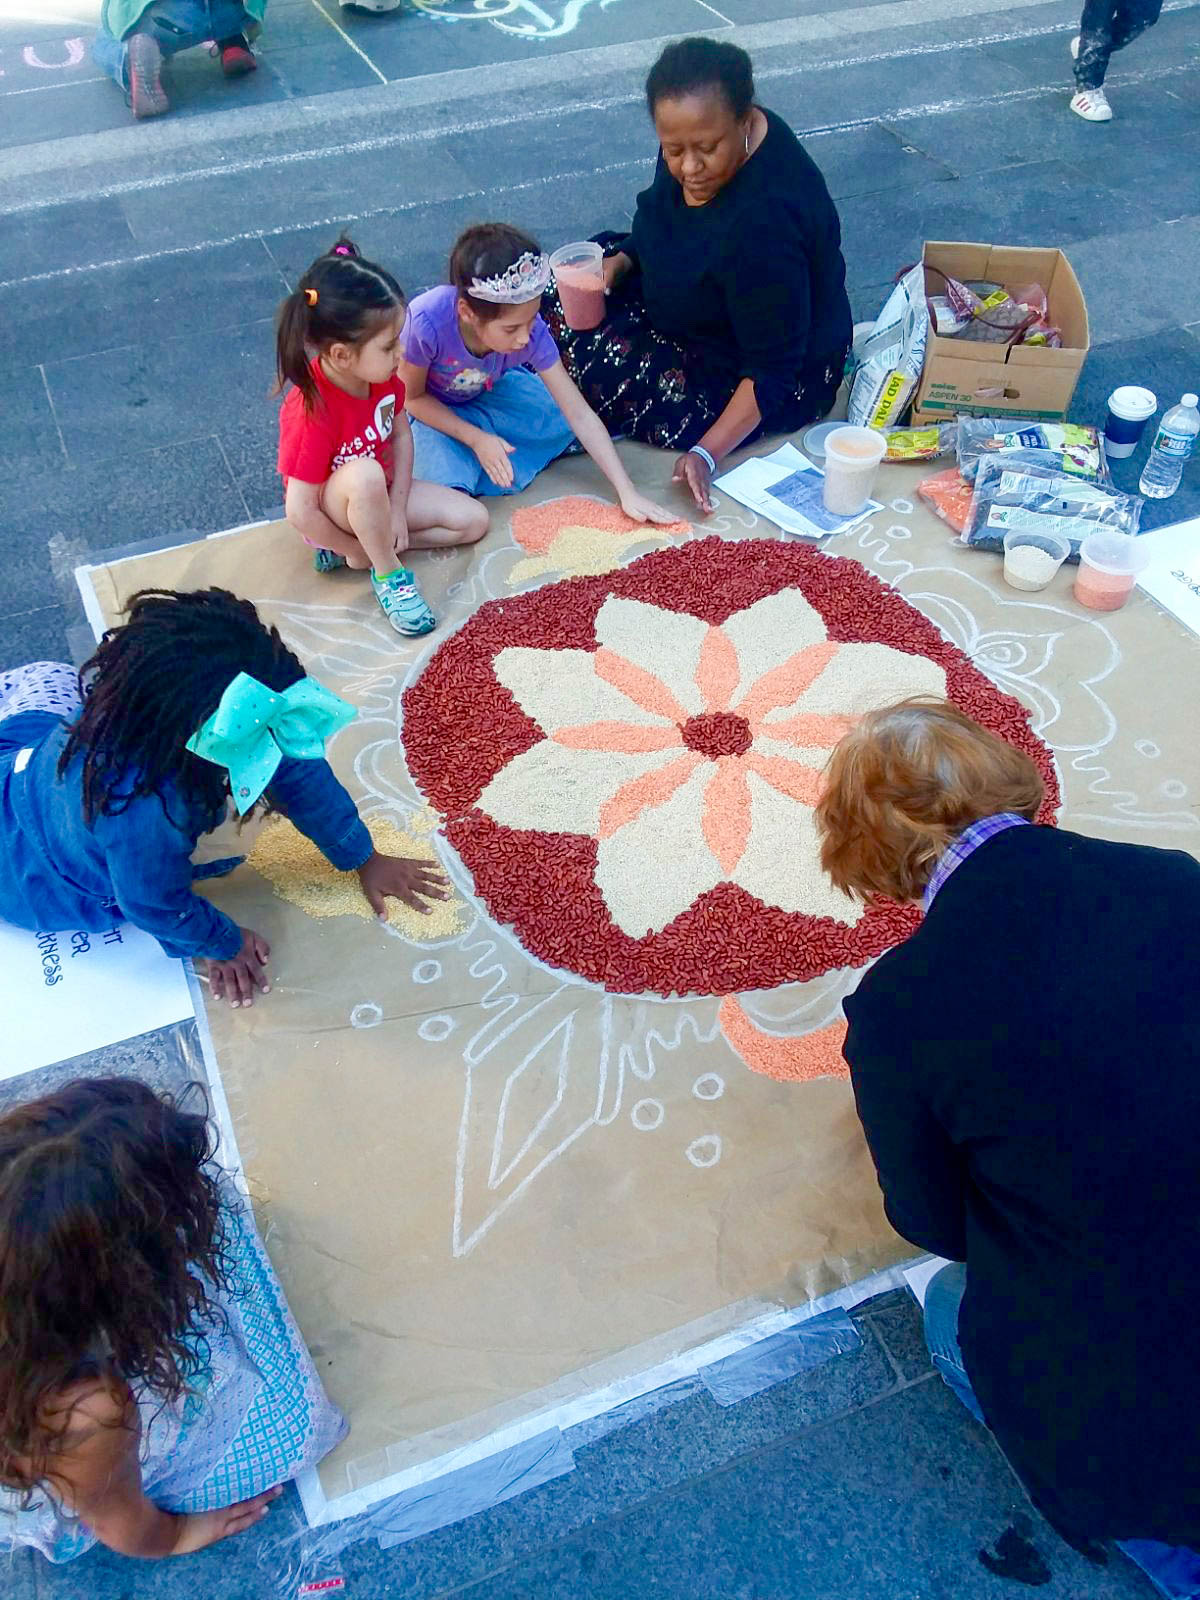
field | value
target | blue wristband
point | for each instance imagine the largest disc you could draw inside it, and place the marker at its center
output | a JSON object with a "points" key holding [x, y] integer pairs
{"points": [[699, 450]]}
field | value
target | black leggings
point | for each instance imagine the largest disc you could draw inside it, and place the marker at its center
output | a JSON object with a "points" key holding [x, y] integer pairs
{"points": [[1108, 25]]}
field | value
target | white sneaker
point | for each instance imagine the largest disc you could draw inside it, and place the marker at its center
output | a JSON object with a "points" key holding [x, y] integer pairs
{"points": [[370, 5], [1075, 48], [1092, 105]]}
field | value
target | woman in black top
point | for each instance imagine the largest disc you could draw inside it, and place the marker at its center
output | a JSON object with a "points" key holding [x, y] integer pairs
{"points": [[1027, 1071], [729, 314]]}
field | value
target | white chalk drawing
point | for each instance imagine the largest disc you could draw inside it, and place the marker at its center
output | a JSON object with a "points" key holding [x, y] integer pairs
{"points": [[434, 1029], [366, 1015], [517, 1121], [547, 1059], [74, 54], [648, 1115], [709, 1086], [523, 18], [704, 1151]]}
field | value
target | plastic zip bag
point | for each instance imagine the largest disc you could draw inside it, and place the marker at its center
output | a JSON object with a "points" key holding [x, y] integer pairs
{"points": [[1067, 447], [1029, 499], [948, 495], [921, 444]]}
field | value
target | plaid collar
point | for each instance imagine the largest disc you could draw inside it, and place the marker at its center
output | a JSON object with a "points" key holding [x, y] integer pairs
{"points": [[967, 842]]}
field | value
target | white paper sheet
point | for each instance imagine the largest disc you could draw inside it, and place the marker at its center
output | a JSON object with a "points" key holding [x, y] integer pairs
{"points": [[801, 512], [1173, 576], [64, 993]]}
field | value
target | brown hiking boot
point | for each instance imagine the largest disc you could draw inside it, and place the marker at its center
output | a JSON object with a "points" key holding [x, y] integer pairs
{"points": [[146, 94]]}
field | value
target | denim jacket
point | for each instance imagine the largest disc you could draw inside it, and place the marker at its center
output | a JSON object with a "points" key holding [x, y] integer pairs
{"points": [[57, 872]]}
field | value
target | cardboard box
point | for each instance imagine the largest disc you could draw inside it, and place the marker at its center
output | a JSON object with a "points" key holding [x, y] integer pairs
{"points": [[985, 380]]}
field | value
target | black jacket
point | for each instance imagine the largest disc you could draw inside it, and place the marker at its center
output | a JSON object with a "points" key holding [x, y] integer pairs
{"points": [[754, 281], [1027, 1070]]}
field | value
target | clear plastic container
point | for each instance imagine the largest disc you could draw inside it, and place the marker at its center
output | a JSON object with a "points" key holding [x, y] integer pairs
{"points": [[579, 276], [1032, 559], [1109, 563], [852, 457]]}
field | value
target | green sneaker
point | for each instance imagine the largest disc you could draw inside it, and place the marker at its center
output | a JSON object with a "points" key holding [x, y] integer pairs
{"points": [[327, 561], [402, 603]]}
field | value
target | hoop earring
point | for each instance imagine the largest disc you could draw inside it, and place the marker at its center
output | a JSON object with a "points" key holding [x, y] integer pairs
{"points": [[747, 141]]}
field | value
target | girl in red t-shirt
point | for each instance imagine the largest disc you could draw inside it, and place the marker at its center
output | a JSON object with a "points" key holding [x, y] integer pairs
{"points": [[345, 444]]}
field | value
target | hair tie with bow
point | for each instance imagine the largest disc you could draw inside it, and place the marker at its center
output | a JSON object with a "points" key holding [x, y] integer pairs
{"points": [[253, 729]]}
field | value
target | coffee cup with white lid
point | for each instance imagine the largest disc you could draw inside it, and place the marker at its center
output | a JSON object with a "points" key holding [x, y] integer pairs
{"points": [[1129, 410]]}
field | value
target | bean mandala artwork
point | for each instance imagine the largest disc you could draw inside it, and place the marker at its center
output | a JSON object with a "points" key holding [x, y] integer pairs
{"points": [[639, 755], [614, 749]]}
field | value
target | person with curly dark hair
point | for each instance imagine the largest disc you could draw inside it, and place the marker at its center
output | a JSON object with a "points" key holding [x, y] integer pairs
{"points": [[728, 316], [190, 707], [154, 1390]]}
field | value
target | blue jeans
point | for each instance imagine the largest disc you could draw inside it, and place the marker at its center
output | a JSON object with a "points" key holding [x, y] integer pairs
{"points": [[518, 408], [177, 25], [1173, 1569]]}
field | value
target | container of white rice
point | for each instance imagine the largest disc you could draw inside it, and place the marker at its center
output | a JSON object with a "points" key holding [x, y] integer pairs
{"points": [[1032, 559]]}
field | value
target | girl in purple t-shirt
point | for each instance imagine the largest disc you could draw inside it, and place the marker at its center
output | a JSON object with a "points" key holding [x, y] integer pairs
{"points": [[482, 421]]}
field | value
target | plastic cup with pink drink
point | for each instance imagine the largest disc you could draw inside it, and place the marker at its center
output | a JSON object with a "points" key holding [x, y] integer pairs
{"points": [[852, 457], [1109, 563], [579, 276]]}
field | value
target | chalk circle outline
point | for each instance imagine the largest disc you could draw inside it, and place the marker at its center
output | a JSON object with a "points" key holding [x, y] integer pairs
{"points": [[705, 1151], [421, 975], [902, 508], [1173, 789], [638, 1115], [367, 1014], [1147, 748], [434, 1029], [709, 1078]]}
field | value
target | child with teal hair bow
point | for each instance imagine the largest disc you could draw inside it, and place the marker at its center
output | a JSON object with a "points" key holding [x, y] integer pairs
{"points": [[192, 703]]}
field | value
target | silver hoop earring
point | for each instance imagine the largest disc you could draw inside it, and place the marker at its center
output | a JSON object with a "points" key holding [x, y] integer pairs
{"points": [[747, 141]]}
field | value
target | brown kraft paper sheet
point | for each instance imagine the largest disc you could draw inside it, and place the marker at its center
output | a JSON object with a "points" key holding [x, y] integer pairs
{"points": [[490, 1187]]}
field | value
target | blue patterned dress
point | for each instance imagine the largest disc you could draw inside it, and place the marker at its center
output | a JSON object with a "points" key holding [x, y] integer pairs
{"points": [[255, 1416]]}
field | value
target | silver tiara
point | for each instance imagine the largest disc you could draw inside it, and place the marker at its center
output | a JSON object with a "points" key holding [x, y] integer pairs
{"points": [[526, 279]]}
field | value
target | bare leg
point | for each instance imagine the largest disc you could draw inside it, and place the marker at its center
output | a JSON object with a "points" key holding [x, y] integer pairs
{"points": [[356, 500], [440, 517]]}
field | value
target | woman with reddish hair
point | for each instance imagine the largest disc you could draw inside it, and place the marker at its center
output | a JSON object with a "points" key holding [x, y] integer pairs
{"points": [[1027, 1071]]}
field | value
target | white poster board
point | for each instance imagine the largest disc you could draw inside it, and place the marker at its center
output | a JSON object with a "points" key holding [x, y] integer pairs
{"points": [[63, 993], [1173, 576]]}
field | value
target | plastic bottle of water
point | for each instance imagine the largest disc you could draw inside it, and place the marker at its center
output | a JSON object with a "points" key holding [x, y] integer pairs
{"points": [[1173, 444]]}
